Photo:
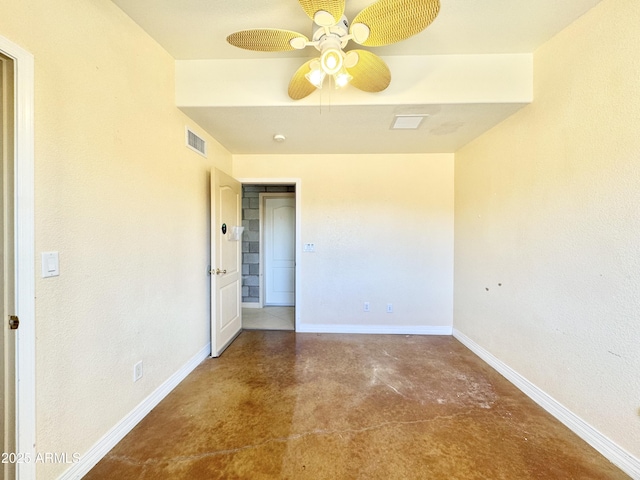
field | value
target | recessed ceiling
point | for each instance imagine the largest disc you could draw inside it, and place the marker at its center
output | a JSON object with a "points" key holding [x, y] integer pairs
{"points": [[197, 29]]}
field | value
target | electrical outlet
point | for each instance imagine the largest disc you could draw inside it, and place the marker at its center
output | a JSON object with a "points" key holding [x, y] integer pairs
{"points": [[367, 307], [137, 371], [389, 307]]}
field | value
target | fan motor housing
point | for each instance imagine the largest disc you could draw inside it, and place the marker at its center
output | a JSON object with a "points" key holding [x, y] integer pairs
{"points": [[340, 29]]}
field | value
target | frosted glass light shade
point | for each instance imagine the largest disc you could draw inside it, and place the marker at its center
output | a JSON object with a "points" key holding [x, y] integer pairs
{"points": [[316, 77]]}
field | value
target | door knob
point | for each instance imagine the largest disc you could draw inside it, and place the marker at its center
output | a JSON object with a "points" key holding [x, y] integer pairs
{"points": [[218, 271]]}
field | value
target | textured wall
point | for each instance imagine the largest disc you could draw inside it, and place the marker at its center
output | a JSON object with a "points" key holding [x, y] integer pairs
{"points": [[547, 251], [383, 232], [126, 206]]}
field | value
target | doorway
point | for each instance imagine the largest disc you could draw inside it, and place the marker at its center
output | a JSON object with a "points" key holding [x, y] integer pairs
{"points": [[7, 265], [21, 164], [270, 217]]}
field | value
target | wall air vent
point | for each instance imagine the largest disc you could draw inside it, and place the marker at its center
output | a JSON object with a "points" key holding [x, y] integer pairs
{"points": [[195, 143]]}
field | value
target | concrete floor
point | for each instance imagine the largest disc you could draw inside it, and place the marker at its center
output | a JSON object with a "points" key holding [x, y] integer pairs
{"points": [[319, 406]]}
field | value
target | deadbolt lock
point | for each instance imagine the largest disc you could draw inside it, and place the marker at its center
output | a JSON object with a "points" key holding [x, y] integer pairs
{"points": [[14, 322]]}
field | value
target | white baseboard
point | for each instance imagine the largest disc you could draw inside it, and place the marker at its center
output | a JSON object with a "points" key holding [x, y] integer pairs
{"points": [[374, 329], [616, 454], [122, 428]]}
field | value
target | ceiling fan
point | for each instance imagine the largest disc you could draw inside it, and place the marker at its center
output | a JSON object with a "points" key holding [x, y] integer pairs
{"points": [[382, 23]]}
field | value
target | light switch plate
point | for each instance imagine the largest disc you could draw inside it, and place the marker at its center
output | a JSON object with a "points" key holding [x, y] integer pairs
{"points": [[50, 264], [309, 247]]}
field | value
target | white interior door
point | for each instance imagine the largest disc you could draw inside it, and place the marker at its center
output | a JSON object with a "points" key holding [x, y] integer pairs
{"points": [[226, 268], [279, 250], [7, 268], [18, 235]]}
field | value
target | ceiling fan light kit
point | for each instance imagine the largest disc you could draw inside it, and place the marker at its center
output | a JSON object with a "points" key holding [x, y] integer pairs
{"points": [[382, 23], [316, 75]]}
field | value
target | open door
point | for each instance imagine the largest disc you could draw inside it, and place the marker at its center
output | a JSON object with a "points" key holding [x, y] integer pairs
{"points": [[226, 262], [7, 269], [19, 405]]}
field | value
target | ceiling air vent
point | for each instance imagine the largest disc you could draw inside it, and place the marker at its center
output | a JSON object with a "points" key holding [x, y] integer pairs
{"points": [[194, 142]]}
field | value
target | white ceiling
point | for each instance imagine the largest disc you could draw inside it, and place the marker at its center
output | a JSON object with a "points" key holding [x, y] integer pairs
{"points": [[197, 29]]}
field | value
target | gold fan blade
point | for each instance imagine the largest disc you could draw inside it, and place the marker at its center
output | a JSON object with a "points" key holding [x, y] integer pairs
{"points": [[390, 21], [370, 73], [299, 86], [265, 39], [334, 7]]}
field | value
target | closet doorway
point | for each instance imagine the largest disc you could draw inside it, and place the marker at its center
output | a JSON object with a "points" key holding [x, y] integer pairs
{"points": [[269, 256], [7, 267], [18, 364]]}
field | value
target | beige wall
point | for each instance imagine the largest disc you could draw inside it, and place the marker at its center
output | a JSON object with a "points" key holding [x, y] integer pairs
{"points": [[124, 203], [547, 205], [382, 226]]}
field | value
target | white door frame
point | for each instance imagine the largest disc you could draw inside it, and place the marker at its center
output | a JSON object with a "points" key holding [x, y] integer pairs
{"points": [[24, 255], [297, 182], [262, 196]]}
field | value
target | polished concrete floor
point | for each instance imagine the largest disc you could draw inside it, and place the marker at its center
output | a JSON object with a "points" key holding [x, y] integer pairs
{"points": [[280, 405], [268, 318]]}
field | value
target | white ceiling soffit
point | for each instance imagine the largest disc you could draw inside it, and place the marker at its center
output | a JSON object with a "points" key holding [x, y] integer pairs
{"points": [[464, 95], [471, 69], [340, 129]]}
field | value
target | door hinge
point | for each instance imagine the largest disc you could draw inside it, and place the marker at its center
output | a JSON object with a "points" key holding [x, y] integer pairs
{"points": [[14, 322]]}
